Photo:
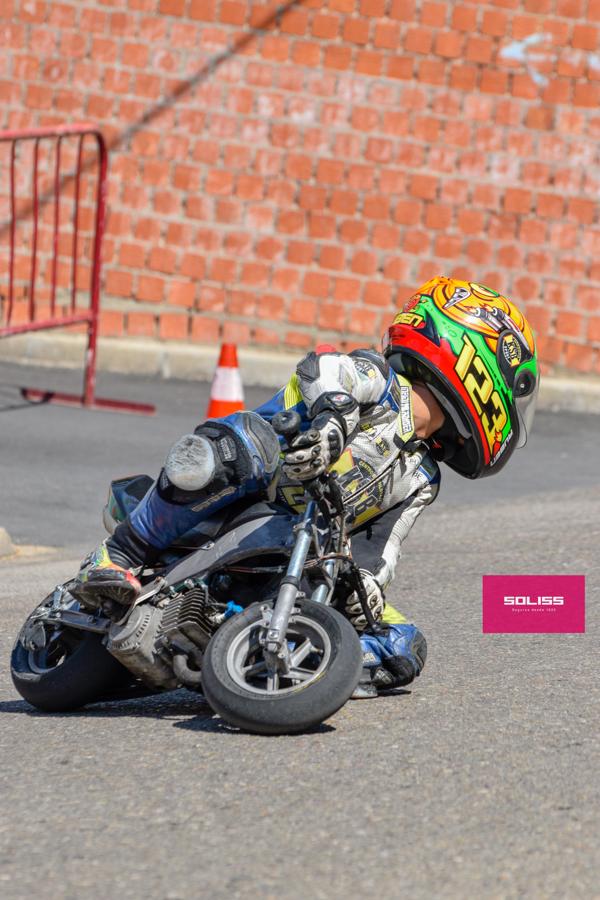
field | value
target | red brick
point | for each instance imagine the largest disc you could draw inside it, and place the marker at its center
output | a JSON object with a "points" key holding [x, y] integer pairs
{"points": [[118, 283], [181, 293], [347, 289], [463, 77], [337, 57], [205, 330], [532, 231], [332, 257], [205, 10], [150, 289], [316, 284], [438, 215], [369, 63], [325, 26], [332, 316], [434, 14], [479, 49], [404, 10], [378, 293], [385, 237], [417, 242], [364, 322], [387, 35], [38, 96], [111, 323], [424, 186], [298, 339], [173, 326], [550, 205], [541, 117], [495, 23], [375, 8], [593, 329], [587, 95], [364, 263], [356, 30], [418, 40], [378, 150], [449, 44], [585, 37], [172, 7], [141, 324], [376, 207], [330, 171], [223, 270], [133, 255], [470, 221], [232, 13], [400, 67], [211, 299], [361, 177], [579, 357], [353, 231], [569, 324], [464, 18], [580, 210], [303, 312], [300, 252], [432, 71], [517, 200]]}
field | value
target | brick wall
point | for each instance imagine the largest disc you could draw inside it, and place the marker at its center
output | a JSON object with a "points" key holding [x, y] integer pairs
{"points": [[275, 177]]}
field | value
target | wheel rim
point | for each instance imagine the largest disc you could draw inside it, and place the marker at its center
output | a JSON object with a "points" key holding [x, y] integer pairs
{"points": [[310, 654], [58, 647]]}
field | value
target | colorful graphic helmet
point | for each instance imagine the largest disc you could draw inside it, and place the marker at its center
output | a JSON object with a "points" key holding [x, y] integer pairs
{"points": [[476, 353]]}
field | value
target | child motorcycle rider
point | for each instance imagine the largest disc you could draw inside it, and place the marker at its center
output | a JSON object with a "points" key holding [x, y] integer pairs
{"points": [[457, 382]]}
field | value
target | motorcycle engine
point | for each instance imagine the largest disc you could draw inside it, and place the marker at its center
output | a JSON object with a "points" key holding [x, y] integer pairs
{"points": [[157, 643]]}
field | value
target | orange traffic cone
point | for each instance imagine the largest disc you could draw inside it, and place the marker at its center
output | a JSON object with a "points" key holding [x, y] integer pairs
{"points": [[226, 393]]}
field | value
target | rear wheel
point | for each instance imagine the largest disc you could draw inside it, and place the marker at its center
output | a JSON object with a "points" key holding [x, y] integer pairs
{"points": [[58, 669], [325, 665]]}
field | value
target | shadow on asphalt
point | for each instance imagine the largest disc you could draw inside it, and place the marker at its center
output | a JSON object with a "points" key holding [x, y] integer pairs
{"points": [[170, 709], [10, 404]]}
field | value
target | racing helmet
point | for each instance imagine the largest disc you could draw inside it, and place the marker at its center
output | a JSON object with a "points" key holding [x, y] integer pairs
{"points": [[476, 353]]}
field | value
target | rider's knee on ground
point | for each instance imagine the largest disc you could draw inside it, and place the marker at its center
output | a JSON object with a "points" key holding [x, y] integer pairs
{"points": [[394, 657]]}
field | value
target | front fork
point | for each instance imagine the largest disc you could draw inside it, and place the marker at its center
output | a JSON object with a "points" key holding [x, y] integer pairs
{"points": [[276, 621]]}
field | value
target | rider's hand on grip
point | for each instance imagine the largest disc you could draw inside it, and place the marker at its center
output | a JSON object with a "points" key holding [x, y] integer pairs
{"points": [[375, 600], [313, 451]]}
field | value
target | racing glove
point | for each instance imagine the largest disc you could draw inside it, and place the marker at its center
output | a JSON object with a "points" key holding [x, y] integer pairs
{"points": [[309, 454], [353, 607]]}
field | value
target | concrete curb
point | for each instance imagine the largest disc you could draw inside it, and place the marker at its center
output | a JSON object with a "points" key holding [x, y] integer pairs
{"points": [[260, 368], [131, 356], [7, 547]]}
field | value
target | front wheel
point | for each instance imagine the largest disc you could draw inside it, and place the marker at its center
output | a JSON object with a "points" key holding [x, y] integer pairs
{"points": [[325, 665]]}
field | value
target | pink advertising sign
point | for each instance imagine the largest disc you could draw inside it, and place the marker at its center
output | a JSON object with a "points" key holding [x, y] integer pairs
{"points": [[533, 604]]}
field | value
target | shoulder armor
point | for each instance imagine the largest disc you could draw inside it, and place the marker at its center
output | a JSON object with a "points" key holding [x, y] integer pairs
{"points": [[367, 358]]}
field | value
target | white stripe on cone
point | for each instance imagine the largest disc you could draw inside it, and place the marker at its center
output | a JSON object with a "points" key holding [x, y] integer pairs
{"points": [[227, 385]]}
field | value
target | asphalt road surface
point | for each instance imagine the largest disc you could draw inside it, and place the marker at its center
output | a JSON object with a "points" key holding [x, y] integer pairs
{"points": [[481, 781]]}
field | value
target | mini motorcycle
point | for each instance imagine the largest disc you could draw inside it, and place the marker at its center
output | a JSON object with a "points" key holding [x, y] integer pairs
{"points": [[244, 608]]}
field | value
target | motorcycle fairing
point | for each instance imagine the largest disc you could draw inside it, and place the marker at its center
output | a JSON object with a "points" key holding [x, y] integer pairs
{"points": [[265, 535]]}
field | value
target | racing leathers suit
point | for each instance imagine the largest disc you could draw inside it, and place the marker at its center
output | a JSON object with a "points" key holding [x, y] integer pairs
{"points": [[383, 470]]}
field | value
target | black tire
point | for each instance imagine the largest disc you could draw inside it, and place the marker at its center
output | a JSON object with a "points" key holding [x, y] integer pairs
{"points": [[302, 707], [86, 673]]}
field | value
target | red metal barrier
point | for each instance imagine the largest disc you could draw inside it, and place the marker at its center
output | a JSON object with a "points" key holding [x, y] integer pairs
{"points": [[64, 241]]}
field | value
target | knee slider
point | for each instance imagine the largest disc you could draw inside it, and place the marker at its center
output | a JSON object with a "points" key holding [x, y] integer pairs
{"points": [[248, 444], [192, 470], [191, 463]]}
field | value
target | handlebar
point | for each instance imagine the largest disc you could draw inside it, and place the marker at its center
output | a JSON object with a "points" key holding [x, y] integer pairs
{"points": [[287, 423]]}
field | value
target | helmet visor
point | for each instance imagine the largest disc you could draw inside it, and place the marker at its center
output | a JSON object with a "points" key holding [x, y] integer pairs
{"points": [[525, 392]]}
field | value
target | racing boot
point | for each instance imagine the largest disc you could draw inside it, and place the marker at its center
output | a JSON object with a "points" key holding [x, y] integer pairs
{"points": [[392, 658], [108, 572]]}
